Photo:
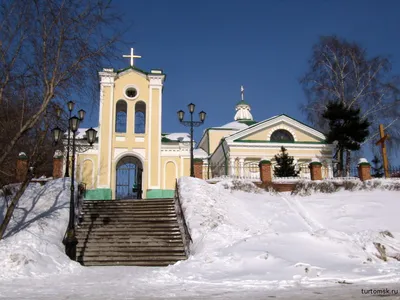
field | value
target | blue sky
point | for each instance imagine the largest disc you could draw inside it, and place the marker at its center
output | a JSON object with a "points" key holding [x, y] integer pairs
{"points": [[209, 48]]}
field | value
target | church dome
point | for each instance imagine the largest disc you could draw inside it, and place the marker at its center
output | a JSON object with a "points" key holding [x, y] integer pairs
{"points": [[243, 109]]}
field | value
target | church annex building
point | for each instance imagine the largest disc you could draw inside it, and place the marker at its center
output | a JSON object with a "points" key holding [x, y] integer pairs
{"points": [[133, 158]]}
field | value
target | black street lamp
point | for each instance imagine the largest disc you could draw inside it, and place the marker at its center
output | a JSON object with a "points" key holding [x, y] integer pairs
{"points": [[70, 241], [191, 124], [70, 106]]}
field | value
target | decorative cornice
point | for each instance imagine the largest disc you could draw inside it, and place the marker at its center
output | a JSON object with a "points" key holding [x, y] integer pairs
{"points": [[156, 79], [280, 142], [272, 145], [270, 122]]}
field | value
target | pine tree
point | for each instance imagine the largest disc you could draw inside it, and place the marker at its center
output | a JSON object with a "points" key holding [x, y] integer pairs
{"points": [[377, 167], [284, 165], [346, 127]]}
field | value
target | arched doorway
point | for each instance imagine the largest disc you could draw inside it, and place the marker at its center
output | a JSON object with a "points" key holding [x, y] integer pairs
{"points": [[129, 178]]}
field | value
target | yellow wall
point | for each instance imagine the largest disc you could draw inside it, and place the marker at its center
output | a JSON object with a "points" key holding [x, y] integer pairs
{"points": [[170, 173], [186, 167], [154, 152], [216, 136], [105, 134], [86, 169]]}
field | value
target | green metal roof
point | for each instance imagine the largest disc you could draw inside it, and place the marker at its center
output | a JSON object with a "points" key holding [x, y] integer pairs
{"points": [[247, 122], [242, 102]]}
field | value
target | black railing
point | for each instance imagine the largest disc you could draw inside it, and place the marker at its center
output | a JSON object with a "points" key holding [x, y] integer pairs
{"points": [[182, 220]]}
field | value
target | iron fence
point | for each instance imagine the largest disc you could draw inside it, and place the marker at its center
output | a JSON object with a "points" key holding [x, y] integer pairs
{"points": [[250, 170]]}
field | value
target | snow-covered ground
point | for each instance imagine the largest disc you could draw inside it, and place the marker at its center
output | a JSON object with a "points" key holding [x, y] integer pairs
{"points": [[244, 245]]}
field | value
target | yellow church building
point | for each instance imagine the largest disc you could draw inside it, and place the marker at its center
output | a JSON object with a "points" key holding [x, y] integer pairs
{"points": [[133, 158]]}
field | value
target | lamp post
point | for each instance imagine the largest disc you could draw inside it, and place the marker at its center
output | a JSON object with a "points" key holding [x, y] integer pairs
{"points": [[81, 114], [70, 239], [191, 124]]}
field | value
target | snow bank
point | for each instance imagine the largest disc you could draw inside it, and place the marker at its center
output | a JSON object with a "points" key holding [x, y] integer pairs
{"points": [[282, 240], [241, 240], [308, 187], [33, 241]]}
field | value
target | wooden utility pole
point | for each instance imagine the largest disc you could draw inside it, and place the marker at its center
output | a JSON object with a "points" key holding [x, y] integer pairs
{"points": [[383, 138]]}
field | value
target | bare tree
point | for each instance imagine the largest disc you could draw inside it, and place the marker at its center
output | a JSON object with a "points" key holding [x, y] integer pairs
{"points": [[39, 151], [342, 71], [49, 50]]}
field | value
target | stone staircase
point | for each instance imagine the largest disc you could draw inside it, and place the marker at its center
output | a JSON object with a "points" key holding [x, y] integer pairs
{"points": [[129, 233]]}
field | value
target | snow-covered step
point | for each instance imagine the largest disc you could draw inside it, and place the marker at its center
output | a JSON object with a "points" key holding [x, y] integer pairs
{"points": [[129, 232], [95, 230], [132, 258], [159, 263], [138, 225], [128, 209], [128, 244], [134, 252], [163, 234]]}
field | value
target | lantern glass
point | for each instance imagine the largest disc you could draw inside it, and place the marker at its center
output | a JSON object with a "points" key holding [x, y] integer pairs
{"points": [[56, 134], [74, 123], [71, 105], [58, 112], [81, 114], [181, 115], [202, 115], [91, 135], [191, 107]]}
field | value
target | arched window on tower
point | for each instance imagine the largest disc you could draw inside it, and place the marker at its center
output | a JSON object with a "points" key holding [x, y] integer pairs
{"points": [[120, 116], [282, 135], [140, 117]]}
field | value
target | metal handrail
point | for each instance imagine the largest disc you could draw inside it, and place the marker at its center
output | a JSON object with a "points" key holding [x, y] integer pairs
{"points": [[188, 237]]}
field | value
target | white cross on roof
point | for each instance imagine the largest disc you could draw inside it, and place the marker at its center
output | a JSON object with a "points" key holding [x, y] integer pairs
{"points": [[132, 56]]}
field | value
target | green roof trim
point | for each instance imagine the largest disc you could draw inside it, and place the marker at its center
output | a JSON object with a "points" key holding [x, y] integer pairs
{"points": [[247, 122], [280, 142], [133, 68], [142, 71], [242, 102]]}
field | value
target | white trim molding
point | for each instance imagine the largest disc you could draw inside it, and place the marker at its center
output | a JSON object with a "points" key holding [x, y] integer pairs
{"points": [[281, 127], [131, 86]]}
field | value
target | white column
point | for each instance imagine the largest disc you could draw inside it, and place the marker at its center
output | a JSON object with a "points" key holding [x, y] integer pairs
{"points": [[232, 166], [205, 169], [241, 167], [330, 168]]}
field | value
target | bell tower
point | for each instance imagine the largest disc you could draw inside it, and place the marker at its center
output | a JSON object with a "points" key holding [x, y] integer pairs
{"points": [[130, 126]]}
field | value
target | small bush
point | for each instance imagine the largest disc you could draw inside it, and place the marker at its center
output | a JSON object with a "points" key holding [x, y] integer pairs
{"points": [[306, 188], [351, 185], [244, 186]]}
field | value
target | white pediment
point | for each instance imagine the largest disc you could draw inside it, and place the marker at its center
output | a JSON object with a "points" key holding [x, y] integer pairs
{"points": [[274, 123]]}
